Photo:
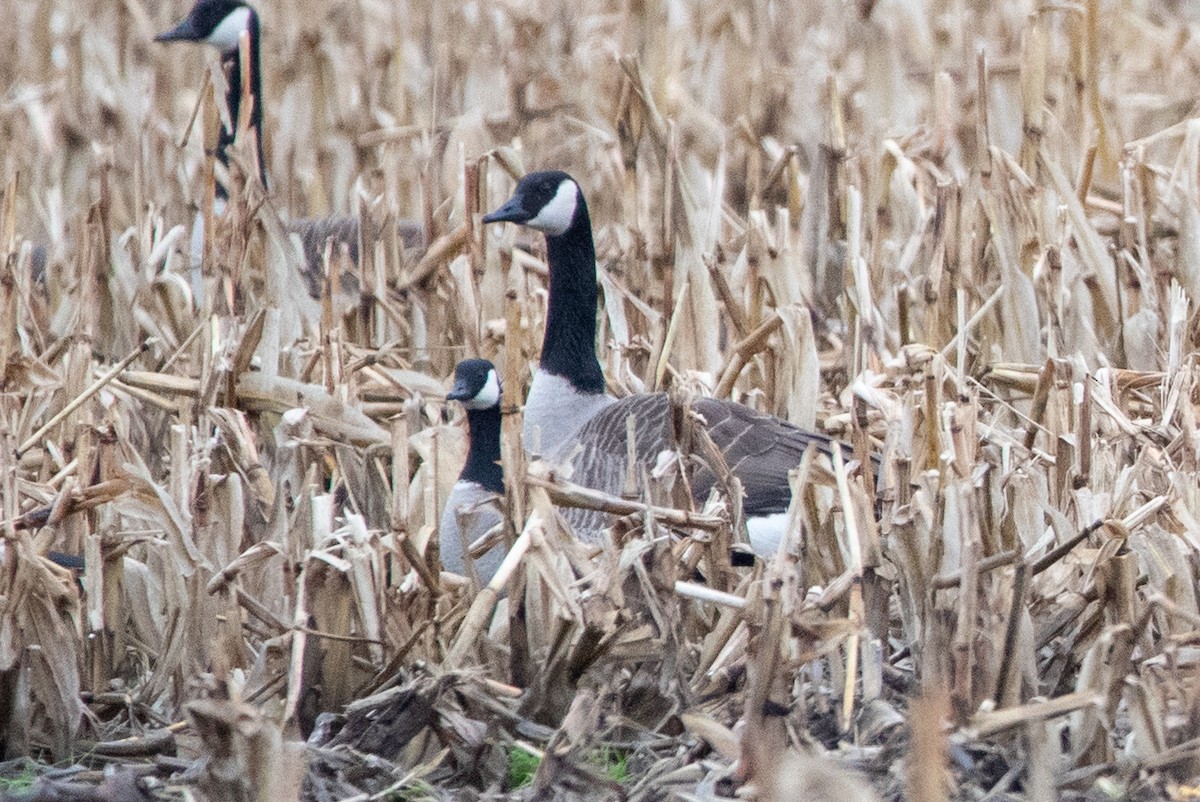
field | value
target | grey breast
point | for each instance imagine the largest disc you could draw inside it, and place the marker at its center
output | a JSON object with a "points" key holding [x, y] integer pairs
{"points": [[471, 512], [556, 414]]}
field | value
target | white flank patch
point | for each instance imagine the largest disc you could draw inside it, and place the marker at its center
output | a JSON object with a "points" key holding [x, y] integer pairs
{"points": [[488, 396], [556, 216], [765, 532], [224, 37]]}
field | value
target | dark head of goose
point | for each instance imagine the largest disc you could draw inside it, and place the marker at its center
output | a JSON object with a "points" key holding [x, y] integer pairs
{"points": [[550, 202], [214, 22], [475, 384], [220, 23]]}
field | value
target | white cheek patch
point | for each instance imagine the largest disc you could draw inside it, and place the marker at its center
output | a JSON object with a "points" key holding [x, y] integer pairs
{"points": [[224, 37], [487, 397], [556, 216]]}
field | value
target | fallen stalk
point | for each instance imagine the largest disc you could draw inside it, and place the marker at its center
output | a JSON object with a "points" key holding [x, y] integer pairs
{"points": [[566, 494]]}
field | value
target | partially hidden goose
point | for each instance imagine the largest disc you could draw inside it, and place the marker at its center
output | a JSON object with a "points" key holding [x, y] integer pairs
{"points": [[473, 508], [220, 23], [568, 412]]}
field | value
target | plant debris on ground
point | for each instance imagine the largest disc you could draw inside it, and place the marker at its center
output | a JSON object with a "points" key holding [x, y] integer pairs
{"points": [[963, 238]]}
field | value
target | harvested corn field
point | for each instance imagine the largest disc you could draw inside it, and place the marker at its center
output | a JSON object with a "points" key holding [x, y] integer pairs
{"points": [[962, 239]]}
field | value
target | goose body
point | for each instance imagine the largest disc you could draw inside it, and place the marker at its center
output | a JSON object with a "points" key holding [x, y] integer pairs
{"points": [[569, 413], [220, 23], [472, 509]]}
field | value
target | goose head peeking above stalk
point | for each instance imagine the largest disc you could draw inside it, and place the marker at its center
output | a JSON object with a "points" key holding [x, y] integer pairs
{"points": [[220, 23]]}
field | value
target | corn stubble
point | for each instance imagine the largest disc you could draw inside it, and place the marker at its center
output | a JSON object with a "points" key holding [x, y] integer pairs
{"points": [[963, 237]]}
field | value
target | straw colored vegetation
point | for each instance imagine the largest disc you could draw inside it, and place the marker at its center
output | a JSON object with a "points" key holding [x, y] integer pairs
{"points": [[963, 237]]}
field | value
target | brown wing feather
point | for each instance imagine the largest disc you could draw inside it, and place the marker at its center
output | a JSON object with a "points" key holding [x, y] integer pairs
{"points": [[759, 450], [601, 460]]}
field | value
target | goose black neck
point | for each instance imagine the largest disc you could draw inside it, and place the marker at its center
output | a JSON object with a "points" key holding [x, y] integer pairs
{"points": [[569, 347], [232, 62], [483, 456]]}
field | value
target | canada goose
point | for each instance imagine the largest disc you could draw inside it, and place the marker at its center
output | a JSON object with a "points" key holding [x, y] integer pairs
{"points": [[473, 507], [220, 23], [568, 408]]}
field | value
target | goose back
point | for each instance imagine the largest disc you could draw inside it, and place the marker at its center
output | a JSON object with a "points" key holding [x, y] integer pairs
{"points": [[759, 450], [314, 232]]}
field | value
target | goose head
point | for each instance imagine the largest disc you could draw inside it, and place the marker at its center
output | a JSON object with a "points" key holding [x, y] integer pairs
{"points": [[214, 22], [549, 201], [220, 23], [476, 384]]}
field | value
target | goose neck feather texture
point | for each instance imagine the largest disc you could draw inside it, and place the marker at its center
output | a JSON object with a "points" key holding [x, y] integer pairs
{"points": [[232, 62], [569, 345], [483, 454]]}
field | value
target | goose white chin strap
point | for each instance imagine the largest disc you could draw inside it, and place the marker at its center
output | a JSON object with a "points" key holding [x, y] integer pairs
{"points": [[225, 36], [488, 396], [556, 216]]}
